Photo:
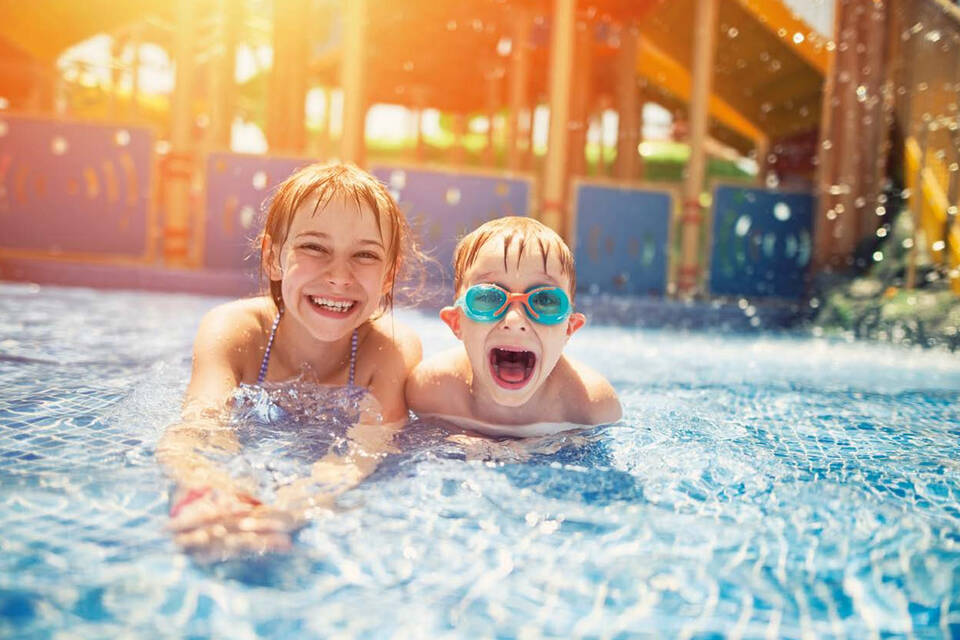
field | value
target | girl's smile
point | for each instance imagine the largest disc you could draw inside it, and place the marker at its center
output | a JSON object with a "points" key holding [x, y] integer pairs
{"points": [[332, 268]]}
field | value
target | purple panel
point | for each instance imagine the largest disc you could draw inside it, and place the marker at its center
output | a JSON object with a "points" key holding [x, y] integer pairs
{"points": [[239, 188], [221, 282], [74, 187]]}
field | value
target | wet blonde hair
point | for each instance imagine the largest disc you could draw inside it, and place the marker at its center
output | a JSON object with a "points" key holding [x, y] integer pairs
{"points": [[525, 232], [325, 182]]}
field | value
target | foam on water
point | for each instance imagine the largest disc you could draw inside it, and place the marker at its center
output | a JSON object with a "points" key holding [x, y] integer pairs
{"points": [[758, 485]]}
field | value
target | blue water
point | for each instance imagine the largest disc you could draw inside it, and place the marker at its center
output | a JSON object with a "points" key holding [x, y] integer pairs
{"points": [[759, 485]]}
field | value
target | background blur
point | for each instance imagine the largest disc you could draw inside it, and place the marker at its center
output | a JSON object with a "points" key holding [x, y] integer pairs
{"points": [[770, 150]]}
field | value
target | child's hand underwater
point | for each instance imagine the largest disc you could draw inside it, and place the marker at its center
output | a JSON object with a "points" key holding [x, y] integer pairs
{"points": [[223, 523]]}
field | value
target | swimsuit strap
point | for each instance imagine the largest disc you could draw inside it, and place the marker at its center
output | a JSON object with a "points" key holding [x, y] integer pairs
{"points": [[354, 340], [266, 353], [353, 354]]}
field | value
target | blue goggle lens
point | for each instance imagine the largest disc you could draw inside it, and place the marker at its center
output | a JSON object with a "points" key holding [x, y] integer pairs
{"points": [[481, 302]]}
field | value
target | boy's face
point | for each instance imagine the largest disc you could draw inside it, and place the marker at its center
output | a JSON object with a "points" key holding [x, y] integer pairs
{"points": [[512, 357]]}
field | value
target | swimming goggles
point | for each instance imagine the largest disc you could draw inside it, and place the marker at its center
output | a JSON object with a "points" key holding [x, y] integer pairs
{"points": [[489, 303]]}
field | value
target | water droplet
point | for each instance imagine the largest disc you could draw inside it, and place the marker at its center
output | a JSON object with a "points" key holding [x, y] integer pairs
{"points": [[247, 217], [798, 38], [742, 226], [877, 256], [732, 32], [59, 145]]}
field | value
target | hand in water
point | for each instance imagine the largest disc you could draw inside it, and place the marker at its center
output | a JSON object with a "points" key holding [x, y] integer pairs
{"points": [[223, 523]]}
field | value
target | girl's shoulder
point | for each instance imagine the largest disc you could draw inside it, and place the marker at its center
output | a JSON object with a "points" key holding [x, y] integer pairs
{"points": [[236, 322], [390, 341]]}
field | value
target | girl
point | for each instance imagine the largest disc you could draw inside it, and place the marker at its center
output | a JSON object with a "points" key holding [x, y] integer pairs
{"points": [[332, 248]]}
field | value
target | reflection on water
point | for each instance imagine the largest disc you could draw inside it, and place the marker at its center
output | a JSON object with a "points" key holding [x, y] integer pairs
{"points": [[758, 486]]}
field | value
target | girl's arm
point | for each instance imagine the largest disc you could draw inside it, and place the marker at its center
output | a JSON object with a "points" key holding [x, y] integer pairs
{"points": [[212, 511], [396, 350], [217, 369]]}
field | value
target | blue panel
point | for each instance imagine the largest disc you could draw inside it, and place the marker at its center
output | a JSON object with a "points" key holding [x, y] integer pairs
{"points": [[74, 187], [239, 188], [444, 206], [622, 238], [761, 242]]}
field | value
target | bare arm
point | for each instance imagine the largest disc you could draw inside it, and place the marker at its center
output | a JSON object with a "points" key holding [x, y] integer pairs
{"points": [[596, 401], [438, 385], [397, 351], [213, 512], [203, 425]]}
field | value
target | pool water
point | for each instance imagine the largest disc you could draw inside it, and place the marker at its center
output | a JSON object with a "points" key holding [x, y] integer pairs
{"points": [[759, 485]]}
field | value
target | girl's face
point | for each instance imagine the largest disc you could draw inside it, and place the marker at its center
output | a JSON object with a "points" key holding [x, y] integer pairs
{"points": [[332, 267]]}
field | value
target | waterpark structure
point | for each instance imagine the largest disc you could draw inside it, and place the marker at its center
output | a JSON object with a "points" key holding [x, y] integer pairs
{"points": [[104, 183]]}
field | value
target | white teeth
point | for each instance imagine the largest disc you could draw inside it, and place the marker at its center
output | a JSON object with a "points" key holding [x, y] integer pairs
{"points": [[341, 306]]}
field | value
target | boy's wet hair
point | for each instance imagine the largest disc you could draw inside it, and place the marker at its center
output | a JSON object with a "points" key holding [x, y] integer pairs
{"points": [[326, 182], [522, 232]]}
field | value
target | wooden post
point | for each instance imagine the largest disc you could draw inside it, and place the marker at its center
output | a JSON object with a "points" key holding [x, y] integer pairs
{"points": [[762, 150], [493, 78], [222, 89], [628, 104], [352, 142], [286, 113], [116, 53], [519, 83], [553, 211], [458, 151], [874, 112], [580, 99], [136, 40], [176, 177], [853, 133], [688, 274], [418, 147]]}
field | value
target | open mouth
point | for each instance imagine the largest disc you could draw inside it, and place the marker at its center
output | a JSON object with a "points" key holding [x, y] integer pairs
{"points": [[512, 368], [334, 306]]}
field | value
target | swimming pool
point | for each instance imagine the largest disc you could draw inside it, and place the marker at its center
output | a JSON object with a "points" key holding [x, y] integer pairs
{"points": [[759, 485]]}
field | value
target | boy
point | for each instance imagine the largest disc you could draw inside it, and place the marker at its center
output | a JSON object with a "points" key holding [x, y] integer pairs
{"points": [[514, 280]]}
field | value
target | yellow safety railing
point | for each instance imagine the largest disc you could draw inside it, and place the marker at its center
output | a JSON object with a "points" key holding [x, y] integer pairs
{"points": [[928, 178]]}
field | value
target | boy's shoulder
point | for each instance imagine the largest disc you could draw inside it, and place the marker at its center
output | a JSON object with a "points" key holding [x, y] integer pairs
{"points": [[441, 383], [589, 396]]}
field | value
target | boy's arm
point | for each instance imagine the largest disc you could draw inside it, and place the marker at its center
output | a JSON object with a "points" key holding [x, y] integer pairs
{"points": [[604, 403], [597, 402], [438, 385]]}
